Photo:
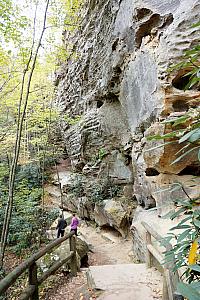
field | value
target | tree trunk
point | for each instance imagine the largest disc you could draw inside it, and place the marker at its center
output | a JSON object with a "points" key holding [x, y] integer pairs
{"points": [[21, 116]]}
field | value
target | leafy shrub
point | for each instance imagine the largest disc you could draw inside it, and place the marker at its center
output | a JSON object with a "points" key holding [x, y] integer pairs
{"points": [[77, 188], [102, 153], [28, 222], [31, 173], [104, 189]]}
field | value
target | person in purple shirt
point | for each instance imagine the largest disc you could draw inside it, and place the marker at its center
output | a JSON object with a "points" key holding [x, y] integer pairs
{"points": [[74, 224]]}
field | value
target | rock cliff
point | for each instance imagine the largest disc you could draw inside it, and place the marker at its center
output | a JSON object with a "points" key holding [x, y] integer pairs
{"points": [[117, 81]]}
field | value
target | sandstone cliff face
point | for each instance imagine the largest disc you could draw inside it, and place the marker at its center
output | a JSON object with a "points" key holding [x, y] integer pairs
{"points": [[116, 80]]}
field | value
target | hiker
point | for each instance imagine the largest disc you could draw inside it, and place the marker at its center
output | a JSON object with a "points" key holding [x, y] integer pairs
{"points": [[62, 224], [74, 224]]}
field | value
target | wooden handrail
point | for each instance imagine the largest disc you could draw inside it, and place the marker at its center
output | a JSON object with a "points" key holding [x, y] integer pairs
{"points": [[29, 290], [170, 278], [30, 264]]}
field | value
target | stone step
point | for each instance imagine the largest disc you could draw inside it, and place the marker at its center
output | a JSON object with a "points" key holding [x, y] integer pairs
{"points": [[125, 281]]}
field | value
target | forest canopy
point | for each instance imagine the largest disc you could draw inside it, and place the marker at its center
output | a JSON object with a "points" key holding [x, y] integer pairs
{"points": [[31, 51]]}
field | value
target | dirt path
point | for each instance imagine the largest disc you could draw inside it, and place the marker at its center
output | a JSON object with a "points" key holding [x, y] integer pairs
{"points": [[106, 248]]}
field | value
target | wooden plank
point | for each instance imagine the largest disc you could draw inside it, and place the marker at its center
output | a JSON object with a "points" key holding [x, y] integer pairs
{"points": [[30, 289], [155, 253], [170, 279], [73, 262], [148, 253], [165, 295], [149, 229], [33, 281], [156, 235], [169, 284], [6, 282]]}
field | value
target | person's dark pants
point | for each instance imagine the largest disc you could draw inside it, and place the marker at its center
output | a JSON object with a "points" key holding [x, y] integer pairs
{"points": [[75, 230], [60, 232]]}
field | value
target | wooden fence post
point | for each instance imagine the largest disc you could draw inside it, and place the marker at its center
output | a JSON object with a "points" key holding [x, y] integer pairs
{"points": [[165, 295], [148, 253], [73, 262], [33, 281]]}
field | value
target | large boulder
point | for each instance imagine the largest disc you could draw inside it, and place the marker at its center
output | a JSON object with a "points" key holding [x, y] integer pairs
{"points": [[160, 155], [82, 205], [114, 213], [119, 170], [62, 252]]}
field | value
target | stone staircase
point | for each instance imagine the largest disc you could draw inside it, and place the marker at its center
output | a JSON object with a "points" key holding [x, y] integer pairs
{"points": [[125, 282]]}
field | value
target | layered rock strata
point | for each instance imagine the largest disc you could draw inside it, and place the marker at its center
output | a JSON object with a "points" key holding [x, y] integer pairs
{"points": [[116, 80]]}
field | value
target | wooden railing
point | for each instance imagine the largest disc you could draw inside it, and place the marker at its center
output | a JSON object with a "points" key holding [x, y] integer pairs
{"points": [[31, 291], [170, 278]]}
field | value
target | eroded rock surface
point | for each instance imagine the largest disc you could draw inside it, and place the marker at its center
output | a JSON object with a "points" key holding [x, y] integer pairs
{"points": [[116, 80]]}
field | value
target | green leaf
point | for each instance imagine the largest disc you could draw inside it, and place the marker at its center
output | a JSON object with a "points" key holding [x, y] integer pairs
{"points": [[195, 136], [183, 149], [168, 121], [189, 292], [169, 214], [180, 227], [194, 71], [161, 137], [176, 186], [183, 202], [175, 67], [183, 155], [195, 285], [177, 213], [187, 136], [183, 235], [165, 241], [181, 120], [158, 146], [197, 223], [177, 266], [191, 83], [194, 268], [196, 25], [185, 220]]}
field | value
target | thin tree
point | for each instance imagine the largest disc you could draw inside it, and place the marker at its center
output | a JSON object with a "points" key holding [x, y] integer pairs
{"points": [[21, 117]]}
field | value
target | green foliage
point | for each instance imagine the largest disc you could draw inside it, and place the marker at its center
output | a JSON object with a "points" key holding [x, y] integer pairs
{"points": [[12, 21], [98, 155], [185, 129], [102, 153], [77, 188], [188, 136], [104, 189], [71, 121], [66, 13], [97, 191], [65, 17], [189, 228], [190, 63], [31, 173], [190, 291], [40, 142], [29, 221]]}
